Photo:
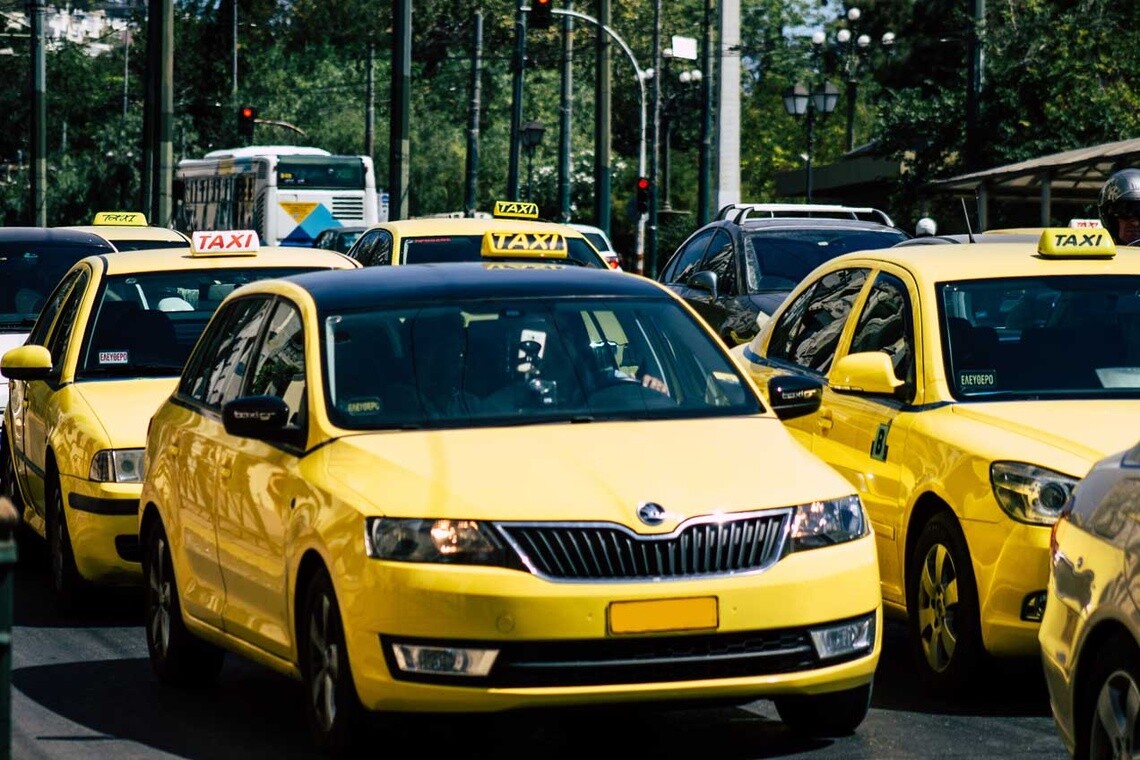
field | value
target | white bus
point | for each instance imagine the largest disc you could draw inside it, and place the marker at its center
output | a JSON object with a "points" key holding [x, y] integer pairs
{"points": [[289, 194]]}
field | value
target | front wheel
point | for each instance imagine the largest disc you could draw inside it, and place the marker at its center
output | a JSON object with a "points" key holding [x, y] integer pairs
{"points": [[176, 656], [942, 606], [1111, 706], [332, 707], [825, 715], [66, 581]]}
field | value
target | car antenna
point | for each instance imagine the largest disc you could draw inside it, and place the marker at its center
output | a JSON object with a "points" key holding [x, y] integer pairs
{"points": [[966, 213]]}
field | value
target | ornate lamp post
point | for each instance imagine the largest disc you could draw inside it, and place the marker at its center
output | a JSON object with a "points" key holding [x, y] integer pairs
{"points": [[798, 101], [687, 79], [852, 51], [531, 137]]}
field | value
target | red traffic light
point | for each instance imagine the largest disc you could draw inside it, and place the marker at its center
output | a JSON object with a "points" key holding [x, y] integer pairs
{"points": [[642, 199], [247, 112], [642, 183], [542, 15]]}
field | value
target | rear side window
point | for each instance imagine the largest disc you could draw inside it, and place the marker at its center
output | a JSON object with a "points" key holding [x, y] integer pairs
{"points": [[808, 331]]}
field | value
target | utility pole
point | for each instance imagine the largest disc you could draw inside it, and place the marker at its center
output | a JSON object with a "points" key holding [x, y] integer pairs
{"points": [[728, 112], [975, 76], [704, 163], [470, 194], [517, 100], [370, 103], [39, 117], [165, 145], [651, 226], [399, 147], [564, 111], [603, 175]]}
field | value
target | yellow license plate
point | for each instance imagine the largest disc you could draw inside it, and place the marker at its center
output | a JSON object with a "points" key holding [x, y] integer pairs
{"points": [[655, 615]]}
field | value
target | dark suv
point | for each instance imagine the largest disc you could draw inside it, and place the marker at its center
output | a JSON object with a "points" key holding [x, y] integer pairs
{"points": [[743, 264]]}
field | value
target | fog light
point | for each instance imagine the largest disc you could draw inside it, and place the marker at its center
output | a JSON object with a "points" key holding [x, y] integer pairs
{"points": [[1033, 606], [447, 661], [845, 638]]}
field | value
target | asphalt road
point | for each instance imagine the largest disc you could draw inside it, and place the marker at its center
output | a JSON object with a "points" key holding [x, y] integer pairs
{"points": [[82, 688]]}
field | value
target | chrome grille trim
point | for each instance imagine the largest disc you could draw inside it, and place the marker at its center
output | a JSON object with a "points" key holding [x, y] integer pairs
{"points": [[711, 545]]}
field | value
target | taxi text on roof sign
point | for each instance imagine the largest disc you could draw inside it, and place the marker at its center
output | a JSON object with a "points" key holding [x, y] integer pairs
{"points": [[228, 243], [516, 210], [127, 218], [541, 245], [1073, 243]]}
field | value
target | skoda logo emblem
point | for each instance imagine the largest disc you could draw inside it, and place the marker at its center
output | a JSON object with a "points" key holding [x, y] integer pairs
{"points": [[651, 514]]}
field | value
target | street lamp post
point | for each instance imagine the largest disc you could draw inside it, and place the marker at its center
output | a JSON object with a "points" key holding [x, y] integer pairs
{"points": [[531, 135], [687, 79], [852, 51], [798, 101]]}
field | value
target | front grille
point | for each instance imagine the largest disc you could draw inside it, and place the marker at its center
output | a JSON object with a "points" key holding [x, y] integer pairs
{"points": [[347, 208], [607, 551]]}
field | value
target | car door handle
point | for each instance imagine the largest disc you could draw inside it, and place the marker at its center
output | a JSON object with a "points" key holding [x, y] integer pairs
{"points": [[825, 419], [226, 471]]}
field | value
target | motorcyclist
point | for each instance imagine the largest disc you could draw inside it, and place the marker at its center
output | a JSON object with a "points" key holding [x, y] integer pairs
{"points": [[1119, 206]]}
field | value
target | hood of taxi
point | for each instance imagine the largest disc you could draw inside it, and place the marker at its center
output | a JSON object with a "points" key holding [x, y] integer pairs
{"points": [[1090, 429], [124, 407], [594, 471]]}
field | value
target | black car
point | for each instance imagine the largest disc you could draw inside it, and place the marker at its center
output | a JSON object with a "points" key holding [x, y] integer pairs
{"points": [[741, 266], [338, 238]]}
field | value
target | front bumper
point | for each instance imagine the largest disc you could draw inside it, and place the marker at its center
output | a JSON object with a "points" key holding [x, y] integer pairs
{"points": [[555, 648], [102, 520]]}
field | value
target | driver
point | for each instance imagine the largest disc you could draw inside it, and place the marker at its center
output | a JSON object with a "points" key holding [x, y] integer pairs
{"points": [[1119, 206]]}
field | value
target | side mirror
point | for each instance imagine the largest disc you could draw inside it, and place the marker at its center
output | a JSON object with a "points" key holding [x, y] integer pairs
{"points": [[865, 372], [26, 363], [260, 417], [794, 396], [705, 280]]}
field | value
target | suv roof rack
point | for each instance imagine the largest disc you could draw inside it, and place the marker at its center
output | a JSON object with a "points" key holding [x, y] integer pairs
{"points": [[738, 212]]}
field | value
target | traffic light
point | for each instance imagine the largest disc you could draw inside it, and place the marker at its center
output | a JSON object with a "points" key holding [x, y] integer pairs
{"points": [[642, 195], [542, 15], [247, 115]]}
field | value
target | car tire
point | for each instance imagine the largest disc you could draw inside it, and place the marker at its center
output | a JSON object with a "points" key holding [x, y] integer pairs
{"points": [[942, 605], [332, 707], [29, 546], [177, 656], [1109, 710], [837, 713], [66, 582]]}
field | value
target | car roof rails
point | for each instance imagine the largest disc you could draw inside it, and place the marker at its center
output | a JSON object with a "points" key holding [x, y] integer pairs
{"points": [[738, 212]]}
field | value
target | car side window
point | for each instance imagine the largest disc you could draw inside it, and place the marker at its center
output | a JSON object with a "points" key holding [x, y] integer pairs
{"points": [[688, 258], [279, 367], [721, 261], [886, 325], [222, 356], [374, 248], [807, 333], [64, 326], [47, 315]]}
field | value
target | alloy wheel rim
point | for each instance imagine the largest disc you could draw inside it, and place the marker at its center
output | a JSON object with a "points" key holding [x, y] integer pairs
{"points": [[324, 663], [938, 607], [161, 595], [1114, 722]]}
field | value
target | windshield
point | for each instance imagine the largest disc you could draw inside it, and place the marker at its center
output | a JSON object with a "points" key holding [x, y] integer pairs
{"points": [[1073, 336], [452, 248], [527, 361], [29, 271], [779, 259], [145, 324], [320, 172]]}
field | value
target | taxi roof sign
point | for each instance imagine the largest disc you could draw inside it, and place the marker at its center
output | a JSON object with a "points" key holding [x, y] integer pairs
{"points": [[124, 218], [224, 243], [1075, 243], [515, 210], [526, 245]]}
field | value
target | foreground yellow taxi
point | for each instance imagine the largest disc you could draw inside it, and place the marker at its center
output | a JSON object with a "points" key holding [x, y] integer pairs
{"points": [[513, 233], [1090, 637], [106, 349], [965, 394], [129, 231], [399, 485]]}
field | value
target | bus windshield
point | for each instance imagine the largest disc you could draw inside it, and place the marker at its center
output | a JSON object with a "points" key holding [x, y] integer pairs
{"points": [[323, 172]]}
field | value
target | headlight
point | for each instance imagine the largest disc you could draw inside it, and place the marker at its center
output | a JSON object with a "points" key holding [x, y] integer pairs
{"points": [[117, 466], [464, 542], [824, 523], [1030, 494]]}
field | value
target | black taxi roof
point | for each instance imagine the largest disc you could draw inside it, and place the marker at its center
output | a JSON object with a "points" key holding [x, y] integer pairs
{"points": [[431, 282]]}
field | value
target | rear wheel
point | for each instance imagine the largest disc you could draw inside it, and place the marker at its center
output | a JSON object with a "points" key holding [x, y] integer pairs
{"points": [[836, 714], [30, 546], [332, 707], [176, 655], [1111, 706], [65, 579], [942, 605]]}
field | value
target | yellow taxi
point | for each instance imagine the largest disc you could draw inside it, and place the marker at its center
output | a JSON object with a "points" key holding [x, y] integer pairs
{"points": [[512, 233], [965, 393], [1090, 637], [398, 486], [129, 231], [107, 347]]}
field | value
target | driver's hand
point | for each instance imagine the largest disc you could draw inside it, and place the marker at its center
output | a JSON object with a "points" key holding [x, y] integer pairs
{"points": [[654, 383]]}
